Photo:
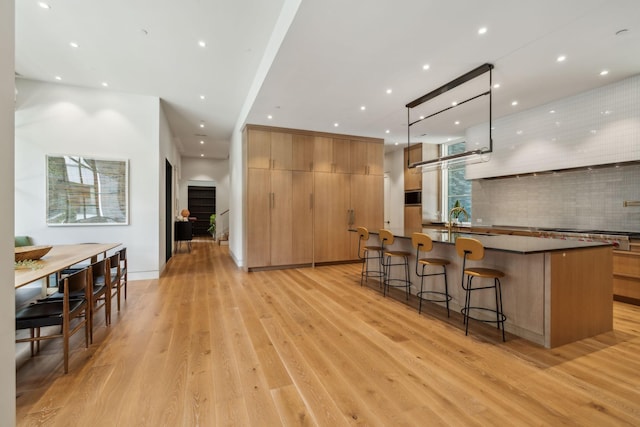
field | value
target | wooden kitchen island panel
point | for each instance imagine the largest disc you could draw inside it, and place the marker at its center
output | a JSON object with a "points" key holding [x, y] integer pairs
{"points": [[580, 290]]}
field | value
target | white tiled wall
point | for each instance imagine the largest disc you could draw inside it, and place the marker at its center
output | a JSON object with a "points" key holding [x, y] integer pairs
{"points": [[600, 126], [580, 199]]}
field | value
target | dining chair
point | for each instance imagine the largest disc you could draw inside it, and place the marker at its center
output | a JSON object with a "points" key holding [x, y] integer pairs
{"points": [[59, 312], [114, 279]]}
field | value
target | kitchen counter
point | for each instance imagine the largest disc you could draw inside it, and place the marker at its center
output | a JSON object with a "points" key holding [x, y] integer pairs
{"points": [[501, 242], [554, 291]]}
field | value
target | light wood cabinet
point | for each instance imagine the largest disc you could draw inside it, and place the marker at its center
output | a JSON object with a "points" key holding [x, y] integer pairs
{"points": [[331, 155], [302, 221], [269, 150], [303, 195], [258, 230], [332, 216], [626, 274], [412, 177], [366, 158], [302, 153], [413, 217]]}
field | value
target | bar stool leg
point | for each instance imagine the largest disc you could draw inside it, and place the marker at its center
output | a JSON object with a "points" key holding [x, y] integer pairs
{"points": [[446, 288], [406, 276]]}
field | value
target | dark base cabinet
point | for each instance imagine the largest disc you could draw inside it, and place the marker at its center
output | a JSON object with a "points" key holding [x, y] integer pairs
{"points": [[183, 233], [202, 203]]}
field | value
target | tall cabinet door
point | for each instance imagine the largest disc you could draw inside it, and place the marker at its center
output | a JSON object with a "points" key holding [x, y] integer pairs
{"points": [[281, 217], [367, 194], [331, 217], [302, 153], [367, 204], [302, 221], [258, 218]]}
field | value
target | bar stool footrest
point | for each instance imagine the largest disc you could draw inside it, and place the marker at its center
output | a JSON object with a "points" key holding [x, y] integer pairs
{"points": [[502, 319], [437, 296]]}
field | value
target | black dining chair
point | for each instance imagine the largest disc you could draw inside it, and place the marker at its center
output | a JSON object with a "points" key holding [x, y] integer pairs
{"points": [[71, 312]]}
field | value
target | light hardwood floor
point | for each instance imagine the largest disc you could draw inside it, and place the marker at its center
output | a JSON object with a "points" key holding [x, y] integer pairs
{"points": [[210, 345]]}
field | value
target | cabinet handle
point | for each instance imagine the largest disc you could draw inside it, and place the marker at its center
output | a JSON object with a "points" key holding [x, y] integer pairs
{"points": [[273, 164]]}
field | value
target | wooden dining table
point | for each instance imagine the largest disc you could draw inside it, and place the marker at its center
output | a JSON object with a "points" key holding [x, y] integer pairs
{"points": [[59, 258]]}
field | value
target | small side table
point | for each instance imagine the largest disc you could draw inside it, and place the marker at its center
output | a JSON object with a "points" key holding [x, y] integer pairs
{"points": [[183, 233]]}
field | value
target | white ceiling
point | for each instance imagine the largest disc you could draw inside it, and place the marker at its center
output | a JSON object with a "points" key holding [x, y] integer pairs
{"points": [[336, 57]]}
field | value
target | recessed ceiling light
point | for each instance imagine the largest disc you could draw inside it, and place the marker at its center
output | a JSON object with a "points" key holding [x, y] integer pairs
{"points": [[105, 84], [421, 117], [604, 72], [561, 58], [202, 96], [387, 131], [496, 86], [201, 142], [201, 155], [454, 103], [519, 132], [201, 125], [336, 124], [202, 43], [552, 111], [426, 67], [514, 103], [269, 117], [363, 108], [396, 144], [44, 5], [58, 78], [73, 44], [482, 30], [389, 91], [457, 122]]}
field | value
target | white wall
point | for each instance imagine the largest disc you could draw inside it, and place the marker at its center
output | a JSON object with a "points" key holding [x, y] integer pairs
{"points": [[7, 293], [168, 152], [60, 119], [236, 197], [212, 171], [394, 188]]}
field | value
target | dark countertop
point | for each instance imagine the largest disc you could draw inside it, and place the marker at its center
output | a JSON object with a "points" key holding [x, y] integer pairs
{"points": [[500, 242]]}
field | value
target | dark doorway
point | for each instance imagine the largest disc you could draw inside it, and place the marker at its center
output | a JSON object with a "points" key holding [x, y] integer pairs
{"points": [[168, 209], [202, 203]]}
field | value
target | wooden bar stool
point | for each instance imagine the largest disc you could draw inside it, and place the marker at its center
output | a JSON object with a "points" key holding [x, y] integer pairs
{"points": [[369, 253], [390, 259], [423, 243], [472, 249]]}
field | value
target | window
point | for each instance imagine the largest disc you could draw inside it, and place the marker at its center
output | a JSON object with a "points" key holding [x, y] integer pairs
{"points": [[454, 186]]}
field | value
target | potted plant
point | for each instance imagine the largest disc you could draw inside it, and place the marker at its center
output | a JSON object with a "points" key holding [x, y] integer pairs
{"points": [[212, 225]]}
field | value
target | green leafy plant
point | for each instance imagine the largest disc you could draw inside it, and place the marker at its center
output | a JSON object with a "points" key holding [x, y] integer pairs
{"points": [[455, 214], [212, 225]]}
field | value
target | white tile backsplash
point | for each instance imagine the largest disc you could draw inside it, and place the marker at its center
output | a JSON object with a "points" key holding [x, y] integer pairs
{"points": [[576, 199]]}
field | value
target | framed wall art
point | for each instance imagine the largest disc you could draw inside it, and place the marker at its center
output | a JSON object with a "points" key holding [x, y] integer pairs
{"points": [[87, 191]]}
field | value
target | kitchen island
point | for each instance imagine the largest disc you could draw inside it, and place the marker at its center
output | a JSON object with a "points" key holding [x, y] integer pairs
{"points": [[554, 291]]}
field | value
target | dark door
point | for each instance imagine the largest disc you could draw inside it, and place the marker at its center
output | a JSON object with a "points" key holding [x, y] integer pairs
{"points": [[168, 210]]}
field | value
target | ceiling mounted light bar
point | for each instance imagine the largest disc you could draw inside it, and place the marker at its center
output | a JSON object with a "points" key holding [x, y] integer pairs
{"points": [[476, 72]]}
